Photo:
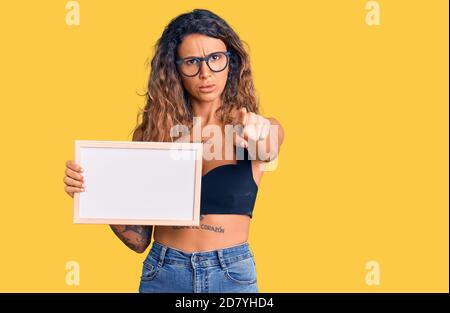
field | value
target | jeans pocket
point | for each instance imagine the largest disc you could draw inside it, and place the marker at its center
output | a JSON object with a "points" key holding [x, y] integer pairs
{"points": [[149, 270], [242, 271]]}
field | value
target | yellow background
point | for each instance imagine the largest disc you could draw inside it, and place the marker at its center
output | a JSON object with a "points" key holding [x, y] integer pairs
{"points": [[362, 174]]}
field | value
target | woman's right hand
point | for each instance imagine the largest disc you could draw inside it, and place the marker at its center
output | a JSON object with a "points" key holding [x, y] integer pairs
{"points": [[74, 181]]}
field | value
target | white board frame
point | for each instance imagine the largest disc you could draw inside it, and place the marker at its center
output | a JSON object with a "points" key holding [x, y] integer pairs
{"points": [[197, 148]]}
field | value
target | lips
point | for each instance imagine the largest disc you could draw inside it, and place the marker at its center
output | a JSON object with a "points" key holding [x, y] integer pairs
{"points": [[207, 88]]}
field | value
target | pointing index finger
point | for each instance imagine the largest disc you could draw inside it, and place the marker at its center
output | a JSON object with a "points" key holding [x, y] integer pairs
{"points": [[243, 116]]}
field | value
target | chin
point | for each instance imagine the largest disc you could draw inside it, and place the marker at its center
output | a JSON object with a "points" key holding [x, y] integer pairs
{"points": [[208, 97]]}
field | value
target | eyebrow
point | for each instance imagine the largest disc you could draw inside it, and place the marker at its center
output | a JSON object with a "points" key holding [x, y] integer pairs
{"points": [[193, 57]]}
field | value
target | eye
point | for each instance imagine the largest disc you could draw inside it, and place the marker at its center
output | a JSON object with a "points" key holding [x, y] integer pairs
{"points": [[216, 57], [191, 61]]}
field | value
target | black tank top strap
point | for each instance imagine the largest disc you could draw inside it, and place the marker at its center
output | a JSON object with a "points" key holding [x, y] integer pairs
{"points": [[242, 155]]}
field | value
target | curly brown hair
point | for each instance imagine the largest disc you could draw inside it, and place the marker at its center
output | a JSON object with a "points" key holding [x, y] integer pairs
{"points": [[167, 101]]}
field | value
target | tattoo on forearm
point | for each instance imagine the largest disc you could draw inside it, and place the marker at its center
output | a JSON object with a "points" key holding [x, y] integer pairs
{"points": [[216, 229], [136, 237]]}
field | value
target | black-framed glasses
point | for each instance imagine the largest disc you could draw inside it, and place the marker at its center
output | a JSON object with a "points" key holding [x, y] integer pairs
{"points": [[216, 61]]}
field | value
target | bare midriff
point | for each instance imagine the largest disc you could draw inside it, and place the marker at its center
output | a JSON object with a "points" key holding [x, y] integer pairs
{"points": [[216, 231]]}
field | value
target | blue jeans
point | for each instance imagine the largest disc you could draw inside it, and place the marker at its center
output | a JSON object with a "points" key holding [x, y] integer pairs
{"points": [[231, 269]]}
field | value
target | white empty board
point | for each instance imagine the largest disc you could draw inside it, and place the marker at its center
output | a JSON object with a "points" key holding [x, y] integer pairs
{"points": [[139, 183]]}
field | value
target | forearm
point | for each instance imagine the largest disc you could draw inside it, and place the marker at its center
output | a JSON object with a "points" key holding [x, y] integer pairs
{"points": [[135, 237], [267, 149]]}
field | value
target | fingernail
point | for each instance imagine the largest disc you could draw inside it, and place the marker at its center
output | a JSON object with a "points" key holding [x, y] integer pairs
{"points": [[81, 169]]}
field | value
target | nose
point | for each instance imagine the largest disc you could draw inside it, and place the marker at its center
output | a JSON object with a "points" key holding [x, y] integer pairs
{"points": [[205, 71]]}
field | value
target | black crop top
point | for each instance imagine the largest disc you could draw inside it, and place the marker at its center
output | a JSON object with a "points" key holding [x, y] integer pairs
{"points": [[229, 188]]}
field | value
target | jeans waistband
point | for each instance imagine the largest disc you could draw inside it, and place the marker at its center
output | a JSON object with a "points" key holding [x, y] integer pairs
{"points": [[223, 256]]}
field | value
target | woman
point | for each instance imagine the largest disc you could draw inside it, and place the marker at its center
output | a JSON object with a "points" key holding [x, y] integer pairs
{"points": [[201, 70]]}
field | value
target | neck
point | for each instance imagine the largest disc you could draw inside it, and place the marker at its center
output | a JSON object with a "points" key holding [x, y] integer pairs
{"points": [[206, 111]]}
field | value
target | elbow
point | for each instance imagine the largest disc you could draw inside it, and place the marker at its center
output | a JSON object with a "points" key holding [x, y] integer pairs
{"points": [[135, 237], [275, 140], [140, 251], [140, 248]]}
